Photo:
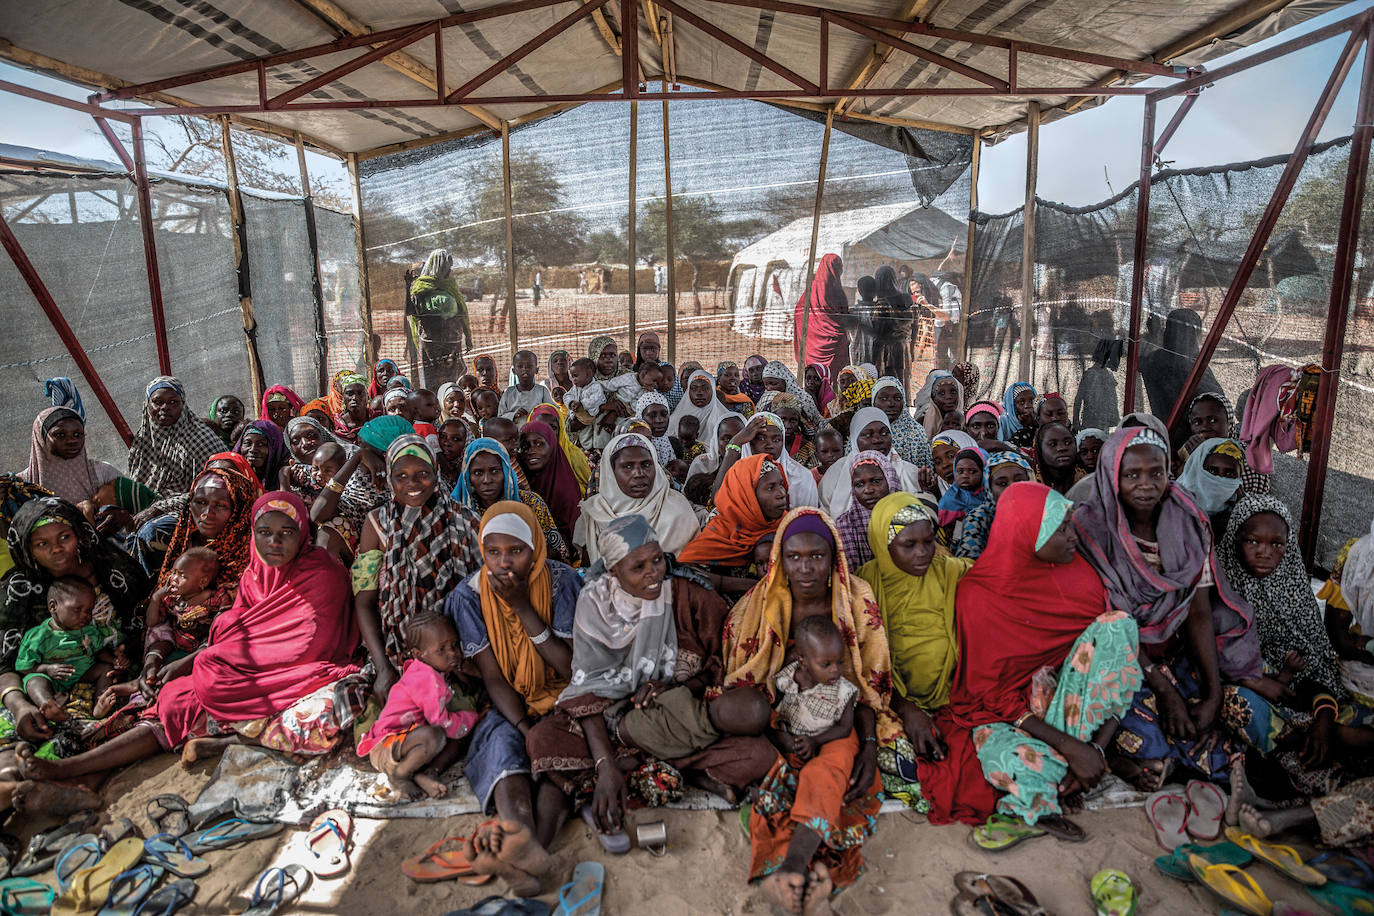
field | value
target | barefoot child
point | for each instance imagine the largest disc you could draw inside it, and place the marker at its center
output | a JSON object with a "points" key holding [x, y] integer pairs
{"points": [[68, 648], [410, 741], [180, 613], [815, 701]]}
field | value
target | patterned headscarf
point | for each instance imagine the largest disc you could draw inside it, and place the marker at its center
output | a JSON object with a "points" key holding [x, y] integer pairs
{"points": [[64, 393], [594, 351], [73, 479], [1009, 425], [855, 393], [277, 454], [234, 541], [911, 441], [463, 491], [166, 459], [811, 414], [968, 376], [663, 448], [852, 523]]}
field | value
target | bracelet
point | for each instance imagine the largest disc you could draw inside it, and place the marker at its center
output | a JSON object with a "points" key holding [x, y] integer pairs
{"points": [[1022, 719], [152, 654], [1097, 747], [5, 694], [334, 486], [733, 447], [1325, 703], [599, 761], [542, 637], [873, 738]]}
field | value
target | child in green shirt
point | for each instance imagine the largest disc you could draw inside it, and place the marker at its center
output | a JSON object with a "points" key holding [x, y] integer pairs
{"points": [[68, 648]]}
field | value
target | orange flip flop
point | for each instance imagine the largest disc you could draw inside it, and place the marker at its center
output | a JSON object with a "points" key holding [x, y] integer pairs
{"points": [[440, 864]]}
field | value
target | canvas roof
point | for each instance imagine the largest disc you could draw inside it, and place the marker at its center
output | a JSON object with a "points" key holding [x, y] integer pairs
{"points": [[112, 43], [899, 232]]}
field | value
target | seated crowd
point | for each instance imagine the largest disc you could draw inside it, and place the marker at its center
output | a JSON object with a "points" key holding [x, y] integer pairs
{"points": [[625, 577]]}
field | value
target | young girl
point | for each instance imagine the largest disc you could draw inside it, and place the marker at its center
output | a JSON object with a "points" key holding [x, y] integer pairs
{"points": [[815, 701], [872, 477], [409, 742], [67, 649]]}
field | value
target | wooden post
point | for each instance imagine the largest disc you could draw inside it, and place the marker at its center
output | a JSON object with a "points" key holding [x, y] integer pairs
{"points": [[1028, 241], [360, 242], [250, 323], [668, 219], [316, 290], [815, 240], [1142, 233], [634, 208], [510, 241], [969, 307], [145, 219]]}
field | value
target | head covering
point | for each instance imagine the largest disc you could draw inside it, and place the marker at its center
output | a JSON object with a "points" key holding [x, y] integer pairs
{"points": [[817, 311], [1287, 617], [664, 508], [555, 482], [886, 289], [277, 454], [373, 387], [852, 523], [968, 376], [73, 479], [955, 437], [463, 491], [232, 543], [64, 393], [958, 502], [240, 464], [760, 627], [801, 483], [918, 611], [309, 407], [909, 439], [827, 390], [663, 448], [442, 394], [1210, 492], [427, 551], [730, 535], [1092, 432], [709, 461], [550, 414], [594, 350], [855, 393], [620, 538], [1146, 420], [707, 416], [931, 420], [280, 393], [341, 380], [810, 413], [537, 682], [326, 435], [394, 394], [380, 432], [164, 459], [1009, 424], [978, 407]]}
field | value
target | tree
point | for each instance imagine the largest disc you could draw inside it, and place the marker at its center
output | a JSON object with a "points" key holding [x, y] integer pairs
{"points": [[606, 245], [796, 201], [544, 233], [700, 233]]}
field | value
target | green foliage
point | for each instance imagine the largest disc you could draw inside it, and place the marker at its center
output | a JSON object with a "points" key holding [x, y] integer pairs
{"points": [[701, 232], [544, 235]]}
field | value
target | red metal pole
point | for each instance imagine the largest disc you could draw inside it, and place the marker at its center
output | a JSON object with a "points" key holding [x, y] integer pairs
{"points": [[1338, 314], [1176, 121], [145, 219], [1266, 224], [1142, 238], [64, 330], [118, 147]]}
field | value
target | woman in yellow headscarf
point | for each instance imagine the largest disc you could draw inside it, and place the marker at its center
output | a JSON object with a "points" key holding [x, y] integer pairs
{"points": [[914, 583]]}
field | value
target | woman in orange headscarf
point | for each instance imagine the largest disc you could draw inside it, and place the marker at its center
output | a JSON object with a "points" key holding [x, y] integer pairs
{"points": [[818, 311], [751, 499]]}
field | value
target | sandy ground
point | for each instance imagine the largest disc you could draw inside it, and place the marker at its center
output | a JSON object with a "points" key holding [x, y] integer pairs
{"points": [[910, 863]]}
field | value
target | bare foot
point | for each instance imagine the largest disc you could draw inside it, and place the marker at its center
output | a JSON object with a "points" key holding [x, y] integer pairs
{"points": [[706, 783], [483, 851], [1242, 794], [53, 711], [54, 799], [405, 788], [785, 889], [1253, 821], [34, 767], [819, 887], [197, 749], [431, 786], [519, 847], [1146, 776]]}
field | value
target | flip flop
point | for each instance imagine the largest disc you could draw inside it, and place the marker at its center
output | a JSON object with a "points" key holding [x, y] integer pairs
{"points": [[82, 852], [130, 889], [1113, 893], [617, 842], [168, 814], [439, 864], [90, 887], [169, 898], [1283, 858], [44, 848], [1168, 811], [1344, 900], [1061, 828], [276, 888], [1001, 833], [746, 811], [231, 832], [503, 906], [1232, 885], [967, 904], [1006, 889], [25, 897], [1344, 869], [1175, 865], [582, 895], [173, 854], [10, 851], [1206, 809], [327, 843]]}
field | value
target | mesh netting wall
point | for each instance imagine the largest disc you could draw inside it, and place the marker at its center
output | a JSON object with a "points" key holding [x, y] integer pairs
{"points": [[744, 183], [1201, 221], [343, 316], [283, 301]]}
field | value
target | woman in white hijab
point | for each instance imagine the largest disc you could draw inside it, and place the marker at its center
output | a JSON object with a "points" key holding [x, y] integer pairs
{"points": [[633, 483], [709, 462], [869, 430], [699, 400], [931, 419], [801, 483]]}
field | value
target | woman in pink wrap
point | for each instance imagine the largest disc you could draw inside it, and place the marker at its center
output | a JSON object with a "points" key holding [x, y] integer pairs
{"points": [[278, 670], [821, 306]]}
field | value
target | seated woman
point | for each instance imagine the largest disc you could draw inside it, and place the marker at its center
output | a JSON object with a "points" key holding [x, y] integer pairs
{"points": [[854, 396], [1003, 469], [225, 415], [415, 549], [487, 478], [158, 522], [515, 622], [261, 442], [914, 585], [1030, 602], [797, 436], [749, 503], [812, 817], [550, 415], [765, 434], [551, 475], [1212, 477], [58, 461], [1054, 455], [909, 438], [634, 483], [171, 445], [279, 405], [942, 392], [1210, 415], [872, 479], [639, 631], [278, 670], [1153, 549], [304, 435], [869, 431], [352, 408]]}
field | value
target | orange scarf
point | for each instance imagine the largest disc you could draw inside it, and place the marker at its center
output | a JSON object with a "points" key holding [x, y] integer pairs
{"points": [[730, 535], [516, 656]]}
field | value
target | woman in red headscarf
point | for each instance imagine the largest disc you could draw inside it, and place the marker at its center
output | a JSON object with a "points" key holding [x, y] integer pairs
{"points": [[819, 311]]}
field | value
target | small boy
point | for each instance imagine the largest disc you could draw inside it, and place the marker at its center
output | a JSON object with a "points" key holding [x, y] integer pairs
{"points": [[485, 403], [68, 648], [1090, 443], [469, 383], [180, 613], [688, 428], [815, 701], [526, 394], [411, 740], [829, 449]]}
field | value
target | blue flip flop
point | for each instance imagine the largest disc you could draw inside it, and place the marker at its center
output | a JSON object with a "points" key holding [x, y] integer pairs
{"points": [[174, 855], [82, 852], [582, 895], [230, 832], [25, 897], [276, 888], [169, 898], [129, 889], [503, 906], [1344, 868]]}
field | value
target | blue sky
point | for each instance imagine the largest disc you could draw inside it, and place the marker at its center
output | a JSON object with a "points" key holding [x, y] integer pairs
{"points": [[1083, 159]]}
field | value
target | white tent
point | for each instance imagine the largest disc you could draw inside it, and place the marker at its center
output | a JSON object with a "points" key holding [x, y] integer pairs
{"points": [[767, 277]]}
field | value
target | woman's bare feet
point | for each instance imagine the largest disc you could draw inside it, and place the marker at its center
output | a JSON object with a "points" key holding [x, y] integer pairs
{"points": [[819, 887], [785, 889], [519, 847], [707, 784], [33, 767], [1253, 821], [1267, 823], [1242, 794], [55, 799], [197, 749], [483, 850], [431, 786], [1145, 775]]}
